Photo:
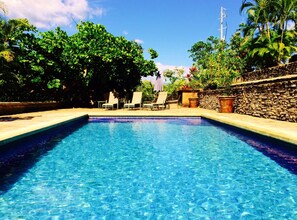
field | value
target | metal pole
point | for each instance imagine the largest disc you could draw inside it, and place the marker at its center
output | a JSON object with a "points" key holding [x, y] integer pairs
{"points": [[222, 16]]}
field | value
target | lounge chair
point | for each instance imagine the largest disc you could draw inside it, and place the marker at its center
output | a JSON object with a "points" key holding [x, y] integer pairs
{"points": [[136, 101], [112, 102], [160, 103]]}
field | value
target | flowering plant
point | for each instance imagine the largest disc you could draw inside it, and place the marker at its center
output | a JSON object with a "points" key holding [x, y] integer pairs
{"points": [[218, 63], [219, 72], [191, 78], [186, 85]]}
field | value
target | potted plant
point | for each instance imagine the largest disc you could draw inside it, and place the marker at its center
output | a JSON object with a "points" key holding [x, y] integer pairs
{"points": [[226, 104], [227, 99], [180, 86], [194, 85], [217, 69], [226, 65], [218, 76]]}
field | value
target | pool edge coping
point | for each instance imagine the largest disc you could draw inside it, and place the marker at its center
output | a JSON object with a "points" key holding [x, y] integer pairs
{"points": [[218, 118], [40, 129], [250, 128], [253, 129]]}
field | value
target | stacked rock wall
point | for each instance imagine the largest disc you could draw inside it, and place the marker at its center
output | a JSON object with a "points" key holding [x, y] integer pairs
{"points": [[274, 96]]}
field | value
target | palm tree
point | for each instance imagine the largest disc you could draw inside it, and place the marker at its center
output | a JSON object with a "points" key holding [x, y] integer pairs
{"points": [[259, 15], [4, 51], [7, 29], [286, 12], [267, 30]]}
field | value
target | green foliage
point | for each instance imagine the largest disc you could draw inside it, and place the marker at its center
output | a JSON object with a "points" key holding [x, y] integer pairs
{"points": [[55, 83], [217, 63], [13, 34], [10, 30], [76, 69], [153, 53], [147, 90], [266, 41], [111, 63], [176, 82], [267, 33]]}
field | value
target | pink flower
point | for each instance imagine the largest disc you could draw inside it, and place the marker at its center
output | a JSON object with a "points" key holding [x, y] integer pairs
{"points": [[193, 69]]}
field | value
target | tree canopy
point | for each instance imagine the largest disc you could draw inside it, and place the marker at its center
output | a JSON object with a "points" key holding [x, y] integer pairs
{"points": [[268, 38], [269, 34], [78, 69], [217, 62]]}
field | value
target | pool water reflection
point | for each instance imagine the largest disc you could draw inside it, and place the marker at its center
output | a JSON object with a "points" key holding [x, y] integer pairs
{"points": [[187, 168]]}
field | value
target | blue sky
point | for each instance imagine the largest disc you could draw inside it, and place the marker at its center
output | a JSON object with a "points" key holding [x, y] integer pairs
{"points": [[170, 27]]}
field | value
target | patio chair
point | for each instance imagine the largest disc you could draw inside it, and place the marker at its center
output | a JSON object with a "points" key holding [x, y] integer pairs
{"points": [[160, 103], [112, 102], [136, 101]]}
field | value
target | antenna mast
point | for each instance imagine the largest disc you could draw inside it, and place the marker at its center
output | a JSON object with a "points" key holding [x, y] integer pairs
{"points": [[222, 27]]}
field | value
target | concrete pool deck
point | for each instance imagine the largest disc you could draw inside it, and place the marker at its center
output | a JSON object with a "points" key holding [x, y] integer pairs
{"points": [[13, 127]]}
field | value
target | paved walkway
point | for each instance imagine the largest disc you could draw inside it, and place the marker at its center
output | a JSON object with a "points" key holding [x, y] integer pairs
{"points": [[13, 127]]}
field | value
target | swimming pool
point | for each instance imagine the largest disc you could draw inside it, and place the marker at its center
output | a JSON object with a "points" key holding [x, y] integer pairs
{"points": [[150, 168]]}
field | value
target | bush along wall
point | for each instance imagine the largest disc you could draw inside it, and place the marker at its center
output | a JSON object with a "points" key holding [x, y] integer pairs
{"points": [[272, 97]]}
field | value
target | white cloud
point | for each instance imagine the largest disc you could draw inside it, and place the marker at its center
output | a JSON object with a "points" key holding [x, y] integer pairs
{"points": [[162, 67], [125, 32], [139, 41], [51, 13]]}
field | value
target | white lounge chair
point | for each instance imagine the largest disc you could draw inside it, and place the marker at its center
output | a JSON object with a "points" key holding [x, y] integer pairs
{"points": [[112, 102], [136, 101], [160, 103]]}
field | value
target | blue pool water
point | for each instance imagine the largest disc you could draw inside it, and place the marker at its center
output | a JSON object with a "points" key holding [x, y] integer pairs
{"points": [[121, 168]]}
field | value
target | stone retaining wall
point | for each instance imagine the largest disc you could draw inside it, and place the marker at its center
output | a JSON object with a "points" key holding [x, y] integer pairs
{"points": [[272, 72], [8, 108], [272, 97], [209, 99], [276, 99]]}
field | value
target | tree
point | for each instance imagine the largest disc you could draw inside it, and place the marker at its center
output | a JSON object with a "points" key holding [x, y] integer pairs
{"points": [[109, 62], [9, 30], [285, 13], [11, 34], [147, 89], [200, 50], [217, 62], [75, 69], [176, 80], [259, 13], [266, 33]]}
